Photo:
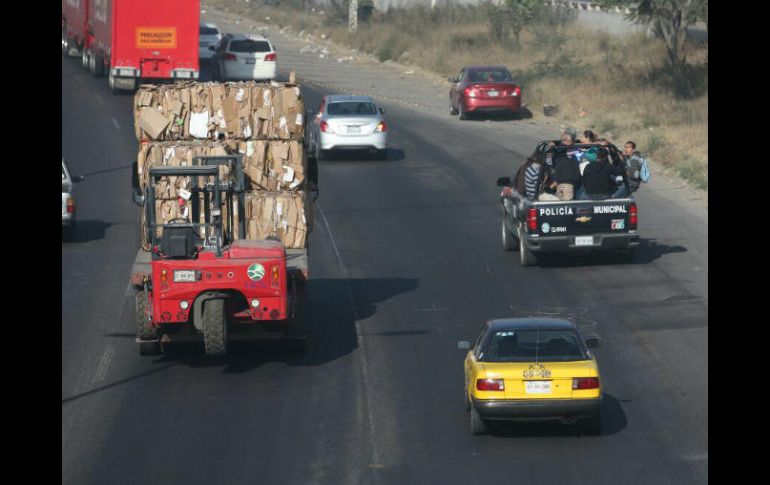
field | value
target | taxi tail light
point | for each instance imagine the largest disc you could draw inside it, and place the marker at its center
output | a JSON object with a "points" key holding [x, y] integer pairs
{"points": [[325, 127], [490, 385], [70, 205], [585, 383], [271, 57], [382, 127], [532, 219], [633, 216], [275, 277]]}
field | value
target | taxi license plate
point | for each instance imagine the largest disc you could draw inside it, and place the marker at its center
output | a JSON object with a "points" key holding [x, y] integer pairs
{"points": [[537, 387], [584, 241], [492, 94], [251, 61], [354, 129]]}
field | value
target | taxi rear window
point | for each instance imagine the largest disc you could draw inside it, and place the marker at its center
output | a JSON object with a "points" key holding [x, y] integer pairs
{"points": [[532, 344]]}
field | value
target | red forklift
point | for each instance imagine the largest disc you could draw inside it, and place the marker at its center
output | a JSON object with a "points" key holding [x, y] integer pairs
{"points": [[200, 282]]}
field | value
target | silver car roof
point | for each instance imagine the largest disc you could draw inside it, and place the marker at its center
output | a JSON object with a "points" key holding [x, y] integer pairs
{"points": [[334, 98]]}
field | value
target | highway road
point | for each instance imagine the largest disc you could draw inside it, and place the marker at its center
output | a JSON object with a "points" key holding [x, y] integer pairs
{"points": [[406, 260]]}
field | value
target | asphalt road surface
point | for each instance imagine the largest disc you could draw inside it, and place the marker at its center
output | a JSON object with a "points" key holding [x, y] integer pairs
{"points": [[406, 260]]}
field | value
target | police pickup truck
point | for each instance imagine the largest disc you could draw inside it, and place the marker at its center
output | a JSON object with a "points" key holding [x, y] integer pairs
{"points": [[535, 227]]}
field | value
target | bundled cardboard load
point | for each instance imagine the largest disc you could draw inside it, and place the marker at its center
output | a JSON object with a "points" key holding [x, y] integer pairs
{"points": [[280, 214], [271, 164], [176, 154], [217, 111]]}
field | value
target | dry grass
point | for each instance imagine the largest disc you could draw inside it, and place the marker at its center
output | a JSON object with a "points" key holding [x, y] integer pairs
{"points": [[616, 86]]}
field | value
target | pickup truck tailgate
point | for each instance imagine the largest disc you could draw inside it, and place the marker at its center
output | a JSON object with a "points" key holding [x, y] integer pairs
{"points": [[578, 217]]}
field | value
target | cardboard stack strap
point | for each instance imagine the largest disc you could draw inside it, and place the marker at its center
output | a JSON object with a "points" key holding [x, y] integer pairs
{"points": [[219, 111], [271, 164], [280, 214]]}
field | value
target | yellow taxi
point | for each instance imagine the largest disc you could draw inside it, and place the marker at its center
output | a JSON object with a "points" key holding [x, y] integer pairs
{"points": [[532, 369]]}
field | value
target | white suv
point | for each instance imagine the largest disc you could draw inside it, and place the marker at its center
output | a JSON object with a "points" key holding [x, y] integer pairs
{"points": [[68, 201], [245, 57], [209, 37]]}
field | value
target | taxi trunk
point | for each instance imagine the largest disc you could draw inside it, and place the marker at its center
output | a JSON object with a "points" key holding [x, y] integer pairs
{"points": [[549, 380]]}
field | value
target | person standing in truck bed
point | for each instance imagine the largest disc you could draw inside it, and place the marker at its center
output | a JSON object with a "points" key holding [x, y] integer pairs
{"points": [[598, 176]]}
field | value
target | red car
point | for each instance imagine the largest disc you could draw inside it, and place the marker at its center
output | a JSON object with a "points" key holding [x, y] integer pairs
{"points": [[484, 89]]}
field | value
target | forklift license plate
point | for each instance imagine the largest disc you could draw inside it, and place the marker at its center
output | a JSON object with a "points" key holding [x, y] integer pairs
{"points": [[184, 276]]}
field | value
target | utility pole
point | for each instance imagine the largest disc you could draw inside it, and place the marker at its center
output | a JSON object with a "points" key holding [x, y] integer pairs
{"points": [[353, 16]]}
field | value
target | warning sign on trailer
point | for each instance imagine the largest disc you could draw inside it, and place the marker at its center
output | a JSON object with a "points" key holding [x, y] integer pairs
{"points": [[156, 37]]}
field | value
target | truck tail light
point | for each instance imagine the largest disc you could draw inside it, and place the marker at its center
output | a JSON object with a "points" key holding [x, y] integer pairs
{"points": [[490, 385], [633, 217], [70, 205], [163, 276], [229, 57], [325, 127], [271, 57], [532, 219], [585, 383], [274, 276], [382, 127]]}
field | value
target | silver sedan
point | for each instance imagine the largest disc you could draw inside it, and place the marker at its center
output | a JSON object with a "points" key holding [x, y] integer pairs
{"points": [[345, 122]]}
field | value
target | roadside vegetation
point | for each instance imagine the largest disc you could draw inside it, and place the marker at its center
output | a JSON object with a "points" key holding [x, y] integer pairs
{"points": [[621, 87]]}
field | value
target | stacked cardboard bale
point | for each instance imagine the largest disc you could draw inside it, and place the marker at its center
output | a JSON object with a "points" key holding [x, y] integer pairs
{"points": [[261, 121]]}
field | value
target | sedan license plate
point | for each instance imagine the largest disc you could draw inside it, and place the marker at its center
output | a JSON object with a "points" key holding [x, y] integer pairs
{"points": [[184, 276], [251, 61], [492, 94], [537, 387], [584, 241], [354, 129]]}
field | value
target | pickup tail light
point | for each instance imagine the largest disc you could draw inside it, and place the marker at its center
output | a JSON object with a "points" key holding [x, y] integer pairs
{"points": [[229, 57], [471, 91], [532, 219], [633, 216], [490, 385], [70, 205], [325, 127], [579, 383], [382, 127], [271, 57]]}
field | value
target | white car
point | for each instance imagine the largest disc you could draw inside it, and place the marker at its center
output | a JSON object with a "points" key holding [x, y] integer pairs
{"points": [[209, 37], [245, 57], [68, 201], [346, 122]]}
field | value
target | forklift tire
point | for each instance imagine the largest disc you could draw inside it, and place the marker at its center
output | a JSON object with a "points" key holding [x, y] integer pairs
{"points": [[214, 327], [144, 329]]}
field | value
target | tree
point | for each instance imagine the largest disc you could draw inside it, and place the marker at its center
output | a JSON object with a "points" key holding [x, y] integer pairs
{"points": [[669, 19], [511, 16]]}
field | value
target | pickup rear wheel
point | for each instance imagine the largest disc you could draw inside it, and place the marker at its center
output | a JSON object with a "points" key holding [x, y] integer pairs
{"points": [[509, 242], [526, 256], [214, 327], [478, 426]]}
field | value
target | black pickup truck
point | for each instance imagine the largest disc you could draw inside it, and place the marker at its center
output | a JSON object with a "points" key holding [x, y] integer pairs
{"points": [[534, 227]]}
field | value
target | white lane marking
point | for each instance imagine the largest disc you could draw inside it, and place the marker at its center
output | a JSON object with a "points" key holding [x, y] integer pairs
{"points": [[99, 98], [115, 122], [359, 332], [104, 364]]}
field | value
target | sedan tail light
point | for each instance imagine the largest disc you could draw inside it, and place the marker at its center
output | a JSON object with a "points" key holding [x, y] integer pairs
{"points": [[585, 383], [229, 57], [472, 91], [325, 127], [70, 205], [516, 92], [490, 385], [271, 57], [382, 127]]}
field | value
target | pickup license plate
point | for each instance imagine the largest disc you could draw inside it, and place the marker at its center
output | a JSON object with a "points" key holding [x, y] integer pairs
{"points": [[354, 130], [537, 387], [584, 241], [492, 94], [184, 276], [251, 61]]}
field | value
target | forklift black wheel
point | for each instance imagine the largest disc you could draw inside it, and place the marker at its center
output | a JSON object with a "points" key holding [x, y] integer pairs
{"points": [[214, 327], [144, 329]]}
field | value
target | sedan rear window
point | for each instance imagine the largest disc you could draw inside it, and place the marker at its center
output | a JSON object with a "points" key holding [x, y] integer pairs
{"points": [[209, 31], [490, 76], [249, 46], [532, 344], [351, 108]]}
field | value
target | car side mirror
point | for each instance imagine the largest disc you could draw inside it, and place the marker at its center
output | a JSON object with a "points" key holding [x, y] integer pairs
{"points": [[138, 197], [78, 178], [504, 182], [452, 80], [593, 342], [463, 345], [382, 110]]}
